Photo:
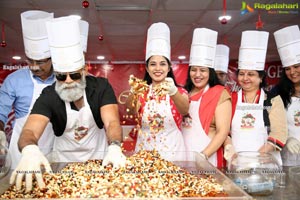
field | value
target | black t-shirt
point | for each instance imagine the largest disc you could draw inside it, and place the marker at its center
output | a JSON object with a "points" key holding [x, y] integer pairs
{"points": [[98, 92]]}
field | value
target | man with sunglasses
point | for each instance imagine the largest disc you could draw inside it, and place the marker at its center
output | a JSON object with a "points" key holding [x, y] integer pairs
{"points": [[80, 107], [22, 87]]}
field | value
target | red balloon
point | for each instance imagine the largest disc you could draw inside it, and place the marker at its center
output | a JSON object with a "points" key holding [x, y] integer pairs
{"points": [[3, 44], [100, 37], [224, 21], [85, 4]]}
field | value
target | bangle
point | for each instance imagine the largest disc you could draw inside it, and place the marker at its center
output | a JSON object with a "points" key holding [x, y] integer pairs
{"points": [[115, 142]]}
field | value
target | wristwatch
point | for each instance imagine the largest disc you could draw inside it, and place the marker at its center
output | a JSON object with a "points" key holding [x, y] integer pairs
{"points": [[115, 142]]}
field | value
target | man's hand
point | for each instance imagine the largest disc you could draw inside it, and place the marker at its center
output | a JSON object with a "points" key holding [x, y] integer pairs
{"points": [[30, 163], [3, 140], [115, 157], [229, 152], [293, 145]]}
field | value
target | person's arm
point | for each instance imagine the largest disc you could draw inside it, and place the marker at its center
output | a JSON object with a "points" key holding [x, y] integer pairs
{"points": [[222, 120], [111, 120], [181, 102], [7, 99], [278, 127], [32, 130]]}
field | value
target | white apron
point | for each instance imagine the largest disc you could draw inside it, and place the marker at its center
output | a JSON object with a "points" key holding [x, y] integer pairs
{"points": [[159, 130], [195, 138], [248, 131], [82, 139], [45, 142], [293, 119]]}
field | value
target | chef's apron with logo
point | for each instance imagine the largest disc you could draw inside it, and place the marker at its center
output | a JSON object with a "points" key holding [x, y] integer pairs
{"points": [[45, 142], [248, 131], [159, 130], [293, 119], [195, 138], [82, 139]]}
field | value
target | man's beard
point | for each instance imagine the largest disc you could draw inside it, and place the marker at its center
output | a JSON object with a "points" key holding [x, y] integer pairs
{"points": [[70, 92]]}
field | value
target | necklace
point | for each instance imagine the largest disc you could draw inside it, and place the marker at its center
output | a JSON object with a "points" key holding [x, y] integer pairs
{"points": [[253, 100]]}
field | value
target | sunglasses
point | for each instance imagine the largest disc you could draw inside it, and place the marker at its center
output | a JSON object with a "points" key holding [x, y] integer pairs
{"points": [[63, 76]]}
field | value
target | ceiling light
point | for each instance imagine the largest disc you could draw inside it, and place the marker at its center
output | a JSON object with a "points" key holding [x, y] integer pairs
{"points": [[181, 57], [224, 19], [100, 57], [227, 17], [16, 57]]}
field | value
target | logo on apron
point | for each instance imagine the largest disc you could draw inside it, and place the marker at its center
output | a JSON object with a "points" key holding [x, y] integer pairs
{"points": [[187, 121], [297, 118], [248, 121], [80, 132]]}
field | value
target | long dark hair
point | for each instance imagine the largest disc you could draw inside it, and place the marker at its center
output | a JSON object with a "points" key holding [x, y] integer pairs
{"points": [[170, 73], [212, 80], [285, 88]]}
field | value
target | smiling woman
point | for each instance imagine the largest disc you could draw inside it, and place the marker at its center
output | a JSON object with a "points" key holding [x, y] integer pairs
{"points": [[259, 120], [159, 103], [206, 126], [288, 44]]}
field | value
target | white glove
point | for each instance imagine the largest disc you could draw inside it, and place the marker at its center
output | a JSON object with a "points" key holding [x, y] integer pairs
{"points": [[30, 163], [229, 152], [293, 145], [170, 86], [3, 141], [204, 156], [114, 156]]}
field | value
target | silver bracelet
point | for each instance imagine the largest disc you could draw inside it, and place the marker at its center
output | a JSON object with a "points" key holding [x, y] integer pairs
{"points": [[115, 142]]}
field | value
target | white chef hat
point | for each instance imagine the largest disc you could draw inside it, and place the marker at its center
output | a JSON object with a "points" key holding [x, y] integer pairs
{"points": [[288, 45], [35, 35], [158, 41], [222, 58], [203, 49], [84, 32], [253, 50], [65, 44]]}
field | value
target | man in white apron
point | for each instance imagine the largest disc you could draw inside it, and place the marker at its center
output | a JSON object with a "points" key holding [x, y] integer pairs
{"points": [[21, 88], [78, 106], [288, 45], [248, 128]]}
